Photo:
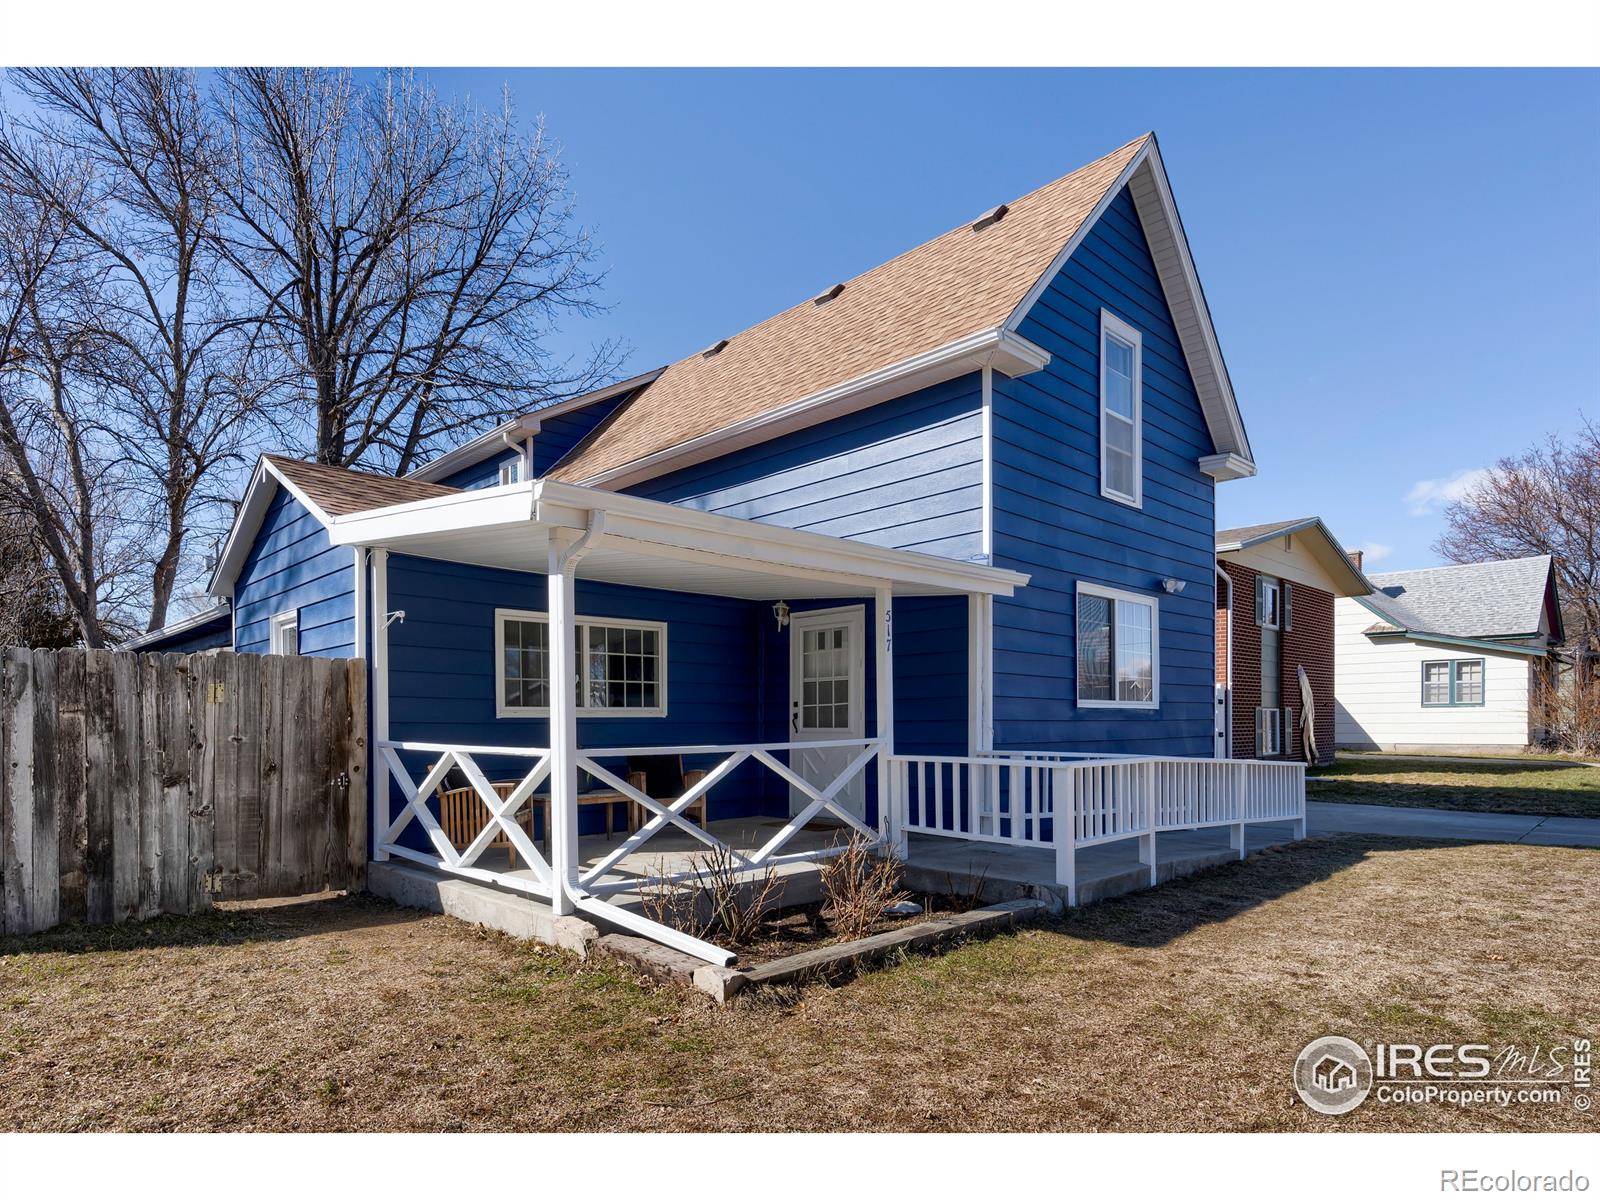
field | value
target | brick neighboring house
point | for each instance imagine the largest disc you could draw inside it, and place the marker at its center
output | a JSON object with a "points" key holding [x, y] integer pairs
{"points": [[1276, 585]]}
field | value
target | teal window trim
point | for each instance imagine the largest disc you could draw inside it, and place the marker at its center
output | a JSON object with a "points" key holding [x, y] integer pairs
{"points": [[1453, 670]]}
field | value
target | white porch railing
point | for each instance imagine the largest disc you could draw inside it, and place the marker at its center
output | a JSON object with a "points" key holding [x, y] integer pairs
{"points": [[588, 887], [1017, 798]]}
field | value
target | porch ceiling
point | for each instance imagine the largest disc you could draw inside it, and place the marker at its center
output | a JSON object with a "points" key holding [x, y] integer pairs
{"points": [[644, 543]]}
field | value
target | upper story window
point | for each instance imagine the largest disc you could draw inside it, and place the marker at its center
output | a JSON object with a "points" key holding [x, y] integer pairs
{"points": [[1117, 648], [1452, 682], [511, 472], [621, 666], [1274, 603], [1121, 402]]}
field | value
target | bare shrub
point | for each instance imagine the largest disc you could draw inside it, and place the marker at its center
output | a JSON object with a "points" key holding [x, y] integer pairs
{"points": [[964, 892], [714, 900], [736, 905], [859, 885], [672, 902], [1567, 713]]}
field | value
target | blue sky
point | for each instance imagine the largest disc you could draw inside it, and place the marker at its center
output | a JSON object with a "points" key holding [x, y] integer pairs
{"points": [[1404, 267]]}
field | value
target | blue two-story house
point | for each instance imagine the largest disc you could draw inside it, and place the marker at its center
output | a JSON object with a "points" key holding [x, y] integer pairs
{"points": [[907, 558]]}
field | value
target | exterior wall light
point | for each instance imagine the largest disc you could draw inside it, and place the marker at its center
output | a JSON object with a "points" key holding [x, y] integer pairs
{"points": [[1172, 586], [780, 613]]}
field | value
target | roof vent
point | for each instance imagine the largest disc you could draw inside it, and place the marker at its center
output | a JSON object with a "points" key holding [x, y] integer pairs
{"points": [[716, 349], [831, 293], [990, 217]]}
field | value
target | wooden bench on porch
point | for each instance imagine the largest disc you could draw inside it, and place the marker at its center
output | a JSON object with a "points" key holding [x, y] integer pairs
{"points": [[463, 814]]}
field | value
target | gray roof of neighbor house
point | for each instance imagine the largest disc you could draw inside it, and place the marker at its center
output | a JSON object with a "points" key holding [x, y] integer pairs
{"points": [[1502, 599], [1228, 539]]}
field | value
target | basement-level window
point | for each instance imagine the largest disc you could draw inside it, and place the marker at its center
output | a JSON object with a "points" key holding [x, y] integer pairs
{"points": [[621, 666], [1121, 432], [1452, 683], [1117, 648]]}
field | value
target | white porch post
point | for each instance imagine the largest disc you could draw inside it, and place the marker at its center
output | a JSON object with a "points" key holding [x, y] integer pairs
{"points": [[563, 721], [890, 818], [379, 774]]}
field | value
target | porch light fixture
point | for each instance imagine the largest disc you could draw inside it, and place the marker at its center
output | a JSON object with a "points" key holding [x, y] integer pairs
{"points": [[780, 613], [1172, 586]]}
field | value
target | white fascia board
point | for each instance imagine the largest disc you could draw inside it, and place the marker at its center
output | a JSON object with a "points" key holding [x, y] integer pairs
{"points": [[1004, 350], [257, 496], [491, 443], [478, 508], [1146, 178], [1334, 559], [568, 506]]}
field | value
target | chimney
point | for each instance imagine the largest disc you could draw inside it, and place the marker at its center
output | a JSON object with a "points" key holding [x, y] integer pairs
{"points": [[1355, 559]]}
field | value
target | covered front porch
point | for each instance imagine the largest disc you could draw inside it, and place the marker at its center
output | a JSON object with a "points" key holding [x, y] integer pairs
{"points": [[836, 681]]}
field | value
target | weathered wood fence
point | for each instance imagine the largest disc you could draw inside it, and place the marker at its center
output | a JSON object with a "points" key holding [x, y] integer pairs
{"points": [[138, 784]]}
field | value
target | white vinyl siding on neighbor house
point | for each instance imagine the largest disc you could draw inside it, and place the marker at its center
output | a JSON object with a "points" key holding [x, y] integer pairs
{"points": [[1379, 689], [1121, 411]]}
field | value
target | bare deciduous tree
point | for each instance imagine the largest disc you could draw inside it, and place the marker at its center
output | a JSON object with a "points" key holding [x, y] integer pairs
{"points": [[409, 257], [62, 466], [141, 204], [1545, 501]]}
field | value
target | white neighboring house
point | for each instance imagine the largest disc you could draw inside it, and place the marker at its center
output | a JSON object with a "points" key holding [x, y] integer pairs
{"points": [[1445, 657]]}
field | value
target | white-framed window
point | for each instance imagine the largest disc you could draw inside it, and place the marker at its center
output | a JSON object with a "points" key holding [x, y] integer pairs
{"points": [[1269, 729], [1118, 648], [1121, 407], [620, 665], [1269, 603], [511, 472], [1452, 683], [286, 632]]}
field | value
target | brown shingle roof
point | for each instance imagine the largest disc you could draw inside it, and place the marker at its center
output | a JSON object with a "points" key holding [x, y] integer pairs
{"points": [[960, 283], [339, 491]]}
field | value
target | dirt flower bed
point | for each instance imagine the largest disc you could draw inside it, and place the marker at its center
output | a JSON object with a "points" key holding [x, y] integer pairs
{"points": [[1180, 1008]]}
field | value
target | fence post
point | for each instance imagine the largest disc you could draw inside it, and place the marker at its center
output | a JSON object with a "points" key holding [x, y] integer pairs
{"points": [[1064, 826], [1147, 840], [1236, 830]]}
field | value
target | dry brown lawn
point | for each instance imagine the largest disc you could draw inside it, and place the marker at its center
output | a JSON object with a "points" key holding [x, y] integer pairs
{"points": [[1177, 1009], [1535, 787]]}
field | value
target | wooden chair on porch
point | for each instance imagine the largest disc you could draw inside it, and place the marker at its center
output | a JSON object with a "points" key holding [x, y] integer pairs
{"points": [[463, 814], [662, 778]]}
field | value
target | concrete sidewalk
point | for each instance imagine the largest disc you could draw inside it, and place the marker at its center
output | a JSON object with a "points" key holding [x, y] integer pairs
{"points": [[1323, 817]]}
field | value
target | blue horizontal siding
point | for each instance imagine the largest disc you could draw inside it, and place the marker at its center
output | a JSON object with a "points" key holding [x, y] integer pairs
{"points": [[557, 435], [905, 474], [1052, 522], [293, 567]]}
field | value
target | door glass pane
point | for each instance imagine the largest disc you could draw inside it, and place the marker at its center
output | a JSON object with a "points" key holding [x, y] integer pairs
{"points": [[825, 676]]}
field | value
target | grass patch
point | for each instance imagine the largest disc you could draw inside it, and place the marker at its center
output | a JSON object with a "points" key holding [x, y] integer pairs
{"points": [[1180, 1008], [1538, 787]]}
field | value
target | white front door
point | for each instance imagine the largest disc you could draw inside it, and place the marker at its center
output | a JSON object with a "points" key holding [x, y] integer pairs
{"points": [[827, 693]]}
